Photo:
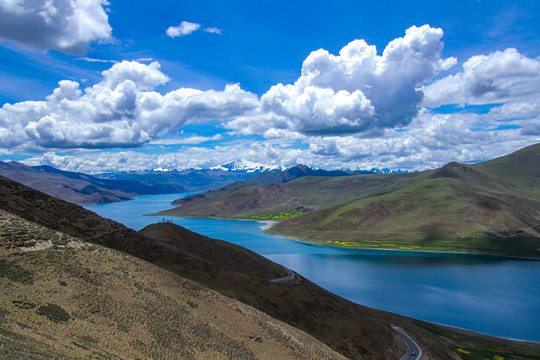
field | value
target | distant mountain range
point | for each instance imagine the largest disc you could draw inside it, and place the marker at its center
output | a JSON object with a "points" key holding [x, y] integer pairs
{"points": [[186, 180], [491, 207], [80, 188], [83, 189], [266, 178], [223, 175]]}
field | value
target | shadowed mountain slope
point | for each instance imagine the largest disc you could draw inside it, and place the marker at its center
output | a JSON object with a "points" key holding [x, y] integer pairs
{"points": [[77, 221]]}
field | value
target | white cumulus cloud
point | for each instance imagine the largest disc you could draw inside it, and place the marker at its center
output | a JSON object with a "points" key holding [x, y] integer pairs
{"points": [[185, 28], [358, 109], [430, 141], [357, 91], [64, 25], [122, 110], [500, 77]]}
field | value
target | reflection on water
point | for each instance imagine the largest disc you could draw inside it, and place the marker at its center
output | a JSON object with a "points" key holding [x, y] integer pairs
{"points": [[493, 295]]}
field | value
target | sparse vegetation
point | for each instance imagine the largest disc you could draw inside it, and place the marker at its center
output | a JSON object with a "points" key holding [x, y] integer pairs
{"points": [[15, 272], [275, 216], [53, 312], [104, 304], [23, 304]]}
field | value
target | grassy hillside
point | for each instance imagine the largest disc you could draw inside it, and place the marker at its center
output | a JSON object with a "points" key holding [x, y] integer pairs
{"points": [[519, 168], [306, 193], [65, 298], [491, 207], [456, 209]]}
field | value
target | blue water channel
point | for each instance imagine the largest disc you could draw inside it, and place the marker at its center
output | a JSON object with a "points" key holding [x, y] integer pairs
{"points": [[492, 295]]}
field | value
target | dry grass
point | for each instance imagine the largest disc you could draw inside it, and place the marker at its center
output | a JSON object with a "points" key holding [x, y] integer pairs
{"points": [[95, 303]]}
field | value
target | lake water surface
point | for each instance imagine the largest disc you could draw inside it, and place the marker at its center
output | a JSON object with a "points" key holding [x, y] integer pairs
{"points": [[492, 295]]}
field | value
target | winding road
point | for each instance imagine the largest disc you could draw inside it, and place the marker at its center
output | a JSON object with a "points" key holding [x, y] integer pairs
{"points": [[290, 276], [413, 350]]}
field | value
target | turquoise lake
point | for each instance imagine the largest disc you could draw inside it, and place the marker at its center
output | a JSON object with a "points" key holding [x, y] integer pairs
{"points": [[492, 295]]}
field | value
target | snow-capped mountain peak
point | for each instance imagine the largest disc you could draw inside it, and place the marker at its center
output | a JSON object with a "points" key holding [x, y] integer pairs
{"points": [[244, 165]]}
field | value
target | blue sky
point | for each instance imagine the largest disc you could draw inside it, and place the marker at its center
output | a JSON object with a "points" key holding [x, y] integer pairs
{"points": [[102, 86]]}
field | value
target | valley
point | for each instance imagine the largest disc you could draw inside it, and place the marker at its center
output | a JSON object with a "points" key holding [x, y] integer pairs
{"points": [[462, 290], [351, 330]]}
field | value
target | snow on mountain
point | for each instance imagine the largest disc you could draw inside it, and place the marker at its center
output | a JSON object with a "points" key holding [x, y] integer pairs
{"points": [[244, 165], [160, 169]]}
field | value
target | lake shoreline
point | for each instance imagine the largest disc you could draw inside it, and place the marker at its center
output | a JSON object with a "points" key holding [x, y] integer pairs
{"points": [[267, 225], [266, 228], [290, 237]]}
